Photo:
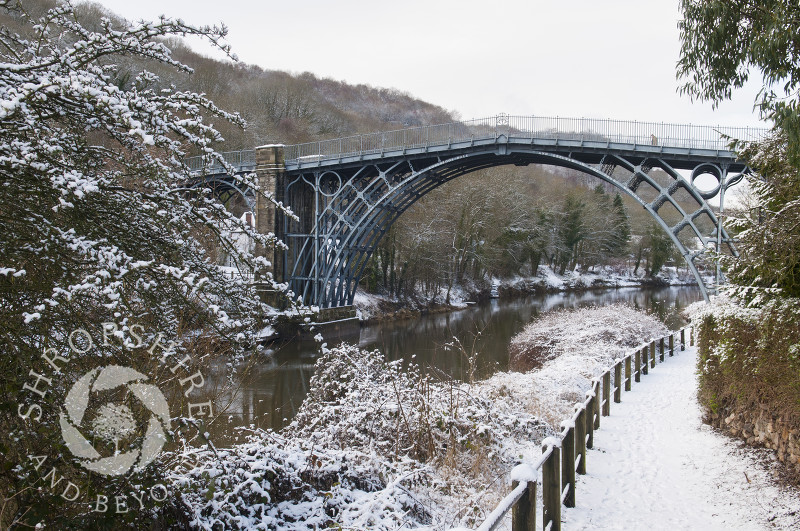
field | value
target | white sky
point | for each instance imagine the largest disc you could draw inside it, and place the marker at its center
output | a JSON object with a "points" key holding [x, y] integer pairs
{"points": [[587, 58]]}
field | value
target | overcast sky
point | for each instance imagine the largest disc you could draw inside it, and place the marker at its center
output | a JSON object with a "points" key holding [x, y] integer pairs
{"points": [[589, 58]]}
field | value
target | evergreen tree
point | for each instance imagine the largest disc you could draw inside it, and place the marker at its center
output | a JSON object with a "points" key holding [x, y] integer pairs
{"points": [[570, 232], [622, 227], [660, 250], [768, 235]]}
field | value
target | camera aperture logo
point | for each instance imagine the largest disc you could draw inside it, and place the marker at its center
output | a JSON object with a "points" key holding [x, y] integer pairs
{"points": [[114, 419], [114, 422]]}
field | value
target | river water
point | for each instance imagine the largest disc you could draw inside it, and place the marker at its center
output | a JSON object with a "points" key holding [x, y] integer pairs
{"points": [[272, 393]]}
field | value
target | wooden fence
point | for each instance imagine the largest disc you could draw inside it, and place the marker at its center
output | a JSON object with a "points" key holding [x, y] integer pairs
{"points": [[564, 457]]}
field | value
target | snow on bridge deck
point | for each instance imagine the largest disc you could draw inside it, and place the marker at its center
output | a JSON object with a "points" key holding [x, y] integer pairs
{"points": [[655, 465]]}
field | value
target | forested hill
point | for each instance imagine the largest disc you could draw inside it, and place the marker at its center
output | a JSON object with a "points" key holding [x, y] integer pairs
{"points": [[289, 108], [277, 106]]}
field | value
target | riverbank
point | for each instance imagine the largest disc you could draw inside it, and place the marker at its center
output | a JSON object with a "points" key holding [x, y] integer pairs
{"points": [[273, 392], [379, 444], [375, 308], [387, 444]]}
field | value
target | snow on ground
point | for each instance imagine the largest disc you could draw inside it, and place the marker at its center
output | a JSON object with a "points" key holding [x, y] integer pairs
{"points": [[367, 305], [458, 296], [370, 305], [575, 346], [606, 276], [551, 280], [655, 465], [266, 333]]}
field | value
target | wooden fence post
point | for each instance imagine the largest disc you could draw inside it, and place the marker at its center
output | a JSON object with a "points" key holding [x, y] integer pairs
{"points": [[589, 418], [671, 344], [551, 491], [581, 427], [653, 354], [606, 393], [628, 372], [568, 466], [683, 339], [661, 350], [523, 513], [597, 404], [637, 361], [618, 382], [645, 361], [691, 337]]}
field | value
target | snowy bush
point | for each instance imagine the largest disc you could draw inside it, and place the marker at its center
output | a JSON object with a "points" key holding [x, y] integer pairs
{"points": [[99, 222], [568, 348], [611, 330], [357, 399], [749, 357], [275, 482], [376, 445]]}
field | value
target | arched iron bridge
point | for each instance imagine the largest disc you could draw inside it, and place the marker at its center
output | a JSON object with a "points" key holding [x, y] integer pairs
{"points": [[347, 192]]}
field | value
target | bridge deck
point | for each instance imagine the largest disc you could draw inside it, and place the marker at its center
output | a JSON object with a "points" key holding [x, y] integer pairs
{"points": [[672, 142], [589, 151]]}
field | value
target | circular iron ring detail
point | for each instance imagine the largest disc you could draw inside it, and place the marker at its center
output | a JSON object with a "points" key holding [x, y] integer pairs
{"points": [[707, 168]]}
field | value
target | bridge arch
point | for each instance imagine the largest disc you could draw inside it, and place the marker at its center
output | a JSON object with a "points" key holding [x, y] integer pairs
{"points": [[227, 188], [328, 263]]}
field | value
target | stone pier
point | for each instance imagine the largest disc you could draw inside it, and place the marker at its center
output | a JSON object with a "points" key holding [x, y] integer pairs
{"points": [[271, 172]]}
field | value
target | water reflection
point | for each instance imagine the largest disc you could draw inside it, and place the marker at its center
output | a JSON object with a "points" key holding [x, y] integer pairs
{"points": [[273, 392]]}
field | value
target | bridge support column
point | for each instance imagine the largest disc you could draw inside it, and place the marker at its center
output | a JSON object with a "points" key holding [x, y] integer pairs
{"points": [[271, 173]]}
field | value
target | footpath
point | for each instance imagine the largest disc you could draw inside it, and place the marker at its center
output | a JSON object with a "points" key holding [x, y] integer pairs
{"points": [[655, 465]]}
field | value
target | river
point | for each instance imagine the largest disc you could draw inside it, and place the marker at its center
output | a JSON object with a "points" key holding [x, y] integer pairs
{"points": [[272, 394]]}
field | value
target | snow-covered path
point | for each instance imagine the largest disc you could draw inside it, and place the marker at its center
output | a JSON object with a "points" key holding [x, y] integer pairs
{"points": [[655, 465]]}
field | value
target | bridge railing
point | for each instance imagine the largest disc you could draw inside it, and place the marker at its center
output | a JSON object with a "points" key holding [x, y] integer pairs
{"points": [[245, 159], [528, 127], [565, 456]]}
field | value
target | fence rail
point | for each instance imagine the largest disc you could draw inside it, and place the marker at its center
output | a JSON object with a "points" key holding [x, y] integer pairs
{"points": [[564, 457], [662, 134]]}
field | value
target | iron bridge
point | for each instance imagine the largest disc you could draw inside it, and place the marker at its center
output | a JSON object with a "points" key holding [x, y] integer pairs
{"points": [[347, 192]]}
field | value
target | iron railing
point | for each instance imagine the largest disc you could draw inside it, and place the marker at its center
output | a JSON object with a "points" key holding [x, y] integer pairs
{"points": [[526, 127], [241, 160], [686, 136]]}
